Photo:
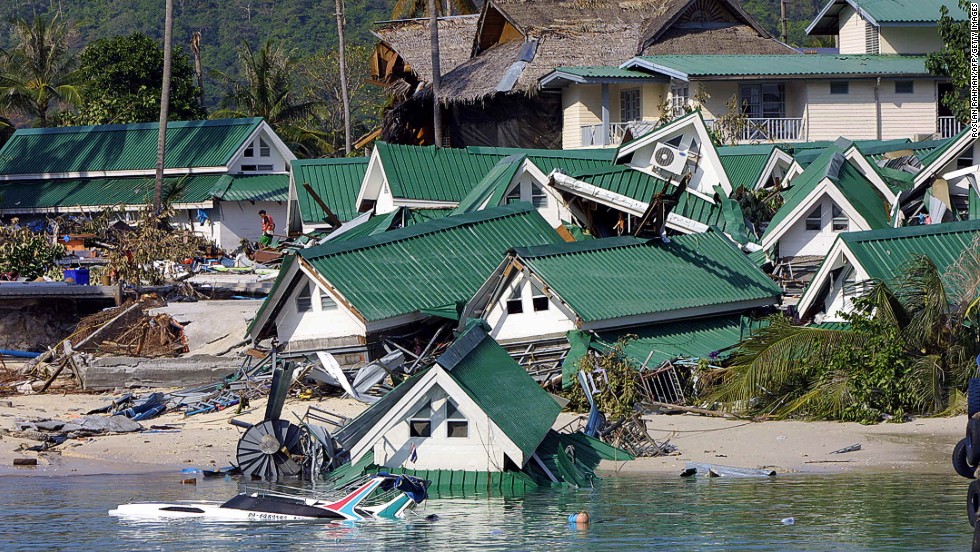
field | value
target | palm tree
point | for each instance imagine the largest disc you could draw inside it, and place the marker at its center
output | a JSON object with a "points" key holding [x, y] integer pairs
{"points": [[168, 27], [39, 70], [407, 9], [912, 343], [267, 92]]}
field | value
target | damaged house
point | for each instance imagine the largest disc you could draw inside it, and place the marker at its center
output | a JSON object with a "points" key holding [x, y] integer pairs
{"points": [[323, 193], [347, 298], [539, 295], [494, 97], [218, 174], [473, 421]]}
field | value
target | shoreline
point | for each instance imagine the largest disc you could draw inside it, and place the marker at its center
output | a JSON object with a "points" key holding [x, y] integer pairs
{"points": [[208, 441]]}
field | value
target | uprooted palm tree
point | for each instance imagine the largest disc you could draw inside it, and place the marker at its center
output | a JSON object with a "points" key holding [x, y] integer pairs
{"points": [[267, 91], [910, 348], [39, 71]]}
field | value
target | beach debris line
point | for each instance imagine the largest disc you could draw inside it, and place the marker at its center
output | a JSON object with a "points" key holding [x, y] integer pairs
{"points": [[715, 470]]}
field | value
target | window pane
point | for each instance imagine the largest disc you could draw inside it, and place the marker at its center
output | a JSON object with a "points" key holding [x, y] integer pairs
{"points": [[263, 148], [452, 411], [539, 198], [840, 221], [539, 301], [250, 151], [814, 221], [515, 305], [629, 105], [904, 87], [304, 301], [326, 302], [514, 195], [457, 429], [419, 428], [839, 87]]}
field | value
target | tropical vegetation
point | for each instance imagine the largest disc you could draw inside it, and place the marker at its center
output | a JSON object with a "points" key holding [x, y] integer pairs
{"points": [[910, 348], [953, 61]]}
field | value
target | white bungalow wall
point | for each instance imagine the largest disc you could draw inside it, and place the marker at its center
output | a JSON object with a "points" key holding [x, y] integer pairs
{"points": [[582, 106], [851, 37], [909, 40], [528, 324], [234, 220], [855, 114], [478, 451], [318, 323], [276, 161], [800, 242], [704, 178], [554, 210]]}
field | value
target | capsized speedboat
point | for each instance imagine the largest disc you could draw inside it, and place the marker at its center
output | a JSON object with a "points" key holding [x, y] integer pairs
{"points": [[390, 496]]}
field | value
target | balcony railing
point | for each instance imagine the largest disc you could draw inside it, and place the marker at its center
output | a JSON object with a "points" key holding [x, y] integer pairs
{"points": [[948, 127], [592, 134], [785, 129]]}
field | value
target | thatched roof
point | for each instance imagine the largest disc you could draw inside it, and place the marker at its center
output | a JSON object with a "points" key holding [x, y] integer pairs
{"points": [[597, 32], [410, 38]]}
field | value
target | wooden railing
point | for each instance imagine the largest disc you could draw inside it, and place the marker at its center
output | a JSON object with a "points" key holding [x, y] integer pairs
{"points": [[948, 127], [785, 129]]}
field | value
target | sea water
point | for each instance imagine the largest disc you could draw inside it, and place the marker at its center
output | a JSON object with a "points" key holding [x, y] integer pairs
{"points": [[883, 512]]}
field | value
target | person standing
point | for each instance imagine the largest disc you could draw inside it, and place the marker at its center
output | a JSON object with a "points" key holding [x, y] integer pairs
{"points": [[268, 227]]}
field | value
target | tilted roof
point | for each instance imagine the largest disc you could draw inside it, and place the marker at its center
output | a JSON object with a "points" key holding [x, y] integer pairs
{"points": [[549, 159], [720, 66], [34, 196], [884, 253], [336, 181], [430, 173], [123, 147], [884, 12], [491, 189], [832, 165], [697, 338], [253, 187], [744, 166], [623, 277], [410, 38], [642, 186], [433, 264], [502, 388]]}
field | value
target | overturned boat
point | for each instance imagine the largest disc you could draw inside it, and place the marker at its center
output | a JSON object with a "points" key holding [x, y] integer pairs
{"points": [[383, 496]]}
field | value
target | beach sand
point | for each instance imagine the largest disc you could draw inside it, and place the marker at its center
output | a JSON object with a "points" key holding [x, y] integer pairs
{"points": [[208, 440]]}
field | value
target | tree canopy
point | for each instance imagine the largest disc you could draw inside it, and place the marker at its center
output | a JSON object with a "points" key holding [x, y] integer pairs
{"points": [[953, 61], [122, 83]]}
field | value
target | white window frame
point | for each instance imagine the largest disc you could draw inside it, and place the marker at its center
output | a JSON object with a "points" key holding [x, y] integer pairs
{"points": [[539, 198], [680, 95], [455, 421], [326, 301], [515, 303], [839, 221], [539, 301], [630, 105], [304, 300], [264, 149], [839, 92], [815, 217]]}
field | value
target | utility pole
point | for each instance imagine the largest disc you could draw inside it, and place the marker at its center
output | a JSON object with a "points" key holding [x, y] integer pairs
{"points": [[343, 75], [168, 28], [782, 20], [434, 47]]}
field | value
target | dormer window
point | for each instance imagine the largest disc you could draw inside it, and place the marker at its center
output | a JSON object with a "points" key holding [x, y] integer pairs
{"points": [[539, 198], [514, 195], [264, 150], [249, 150], [814, 221], [456, 424], [839, 223], [420, 424]]}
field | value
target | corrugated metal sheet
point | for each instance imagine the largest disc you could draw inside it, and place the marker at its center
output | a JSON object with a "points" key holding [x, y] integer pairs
{"points": [[863, 195], [618, 277], [569, 161], [436, 263], [493, 186], [724, 65], [96, 193], [259, 187], [418, 216], [603, 72], [885, 253], [949, 143], [431, 174], [744, 170], [123, 147], [910, 11], [336, 181], [682, 339], [505, 391]]}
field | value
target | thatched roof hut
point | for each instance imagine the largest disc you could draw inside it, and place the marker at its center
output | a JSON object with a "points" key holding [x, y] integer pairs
{"points": [[403, 49], [519, 41]]}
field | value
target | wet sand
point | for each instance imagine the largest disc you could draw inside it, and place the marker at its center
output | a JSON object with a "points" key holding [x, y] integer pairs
{"points": [[208, 440]]}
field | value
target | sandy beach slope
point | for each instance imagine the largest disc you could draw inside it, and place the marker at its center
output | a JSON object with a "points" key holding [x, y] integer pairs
{"points": [[207, 440]]}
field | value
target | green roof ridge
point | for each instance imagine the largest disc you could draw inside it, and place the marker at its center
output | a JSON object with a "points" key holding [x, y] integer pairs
{"points": [[139, 126]]}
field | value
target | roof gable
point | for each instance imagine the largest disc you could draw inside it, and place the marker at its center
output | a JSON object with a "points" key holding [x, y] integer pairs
{"points": [[336, 181], [491, 190], [432, 264], [884, 253], [428, 173], [122, 148], [883, 13], [647, 281], [502, 388]]}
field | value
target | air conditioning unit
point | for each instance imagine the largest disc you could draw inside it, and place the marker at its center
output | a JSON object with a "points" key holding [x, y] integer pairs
{"points": [[669, 158]]}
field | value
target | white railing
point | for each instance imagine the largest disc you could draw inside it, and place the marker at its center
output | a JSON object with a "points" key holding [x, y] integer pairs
{"points": [[592, 135], [784, 129], [948, 127]]}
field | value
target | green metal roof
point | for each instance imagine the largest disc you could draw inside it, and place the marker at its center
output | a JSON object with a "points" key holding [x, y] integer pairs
{"points": [[831, 164], [418, 216], [375, 225], [493, 187], [884, 253], [681, 339], [432, 174], [259, 187], [894, 12], [432, 264], [620, 277], [932, 156], [602, 72], [548, 160], [26, 196], [641, 186], [123, 147], [336, 181], [745, 65], [744, 166], [502, 388], [974, 209]]}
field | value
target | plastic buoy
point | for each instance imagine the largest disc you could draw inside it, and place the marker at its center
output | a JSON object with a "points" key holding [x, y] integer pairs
{"points": [[788, 521]]}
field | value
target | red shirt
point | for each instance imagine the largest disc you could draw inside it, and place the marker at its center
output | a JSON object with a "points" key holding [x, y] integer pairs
{"points": [[268, 225]]}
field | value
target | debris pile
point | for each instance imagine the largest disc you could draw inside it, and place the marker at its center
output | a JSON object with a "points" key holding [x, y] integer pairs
{"points": [[51, 432], [130, 330]]}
